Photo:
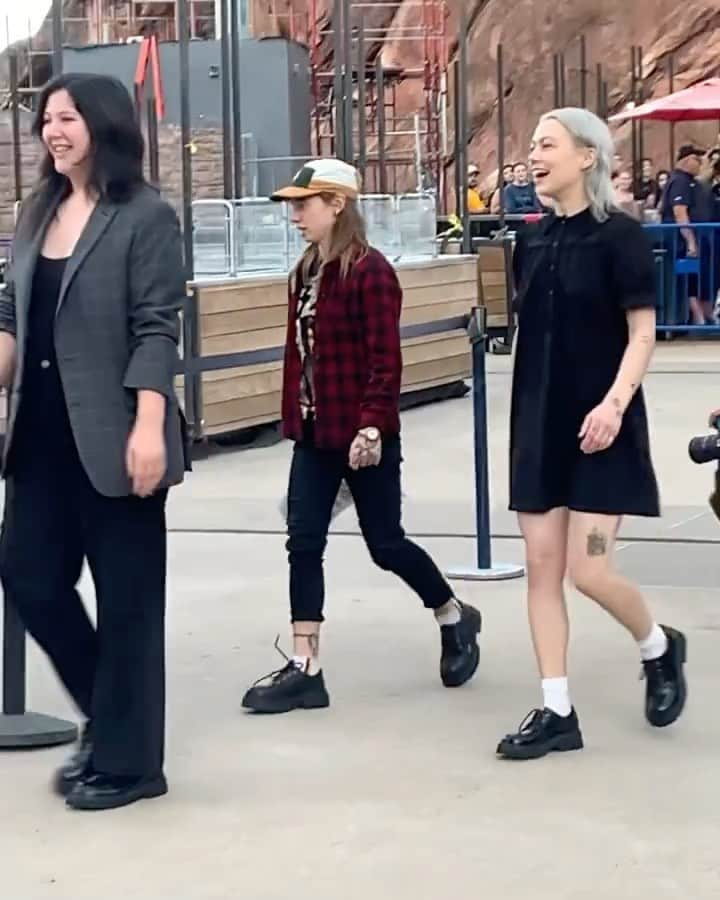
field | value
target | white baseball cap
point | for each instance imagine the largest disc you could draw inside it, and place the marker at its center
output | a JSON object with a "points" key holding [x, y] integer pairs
{"points": [[320, 176]]}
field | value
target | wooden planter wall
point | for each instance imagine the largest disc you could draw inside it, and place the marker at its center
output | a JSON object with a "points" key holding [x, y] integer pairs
{"points": [[249, 314]]}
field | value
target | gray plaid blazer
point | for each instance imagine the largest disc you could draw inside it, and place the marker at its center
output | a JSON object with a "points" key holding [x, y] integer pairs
{"points": [[116, 329]]}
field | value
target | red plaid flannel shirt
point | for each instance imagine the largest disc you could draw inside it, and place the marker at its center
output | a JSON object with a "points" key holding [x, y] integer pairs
{"points": [[357, 362]]}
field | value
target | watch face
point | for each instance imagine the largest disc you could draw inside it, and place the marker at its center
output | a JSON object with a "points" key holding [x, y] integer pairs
{"points": [[372, 433]]}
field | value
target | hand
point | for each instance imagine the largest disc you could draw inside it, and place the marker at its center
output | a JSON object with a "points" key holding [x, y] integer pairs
{"points": [[364, 452], [692, 250], [715, 414], [145, 457], [601, 427]]}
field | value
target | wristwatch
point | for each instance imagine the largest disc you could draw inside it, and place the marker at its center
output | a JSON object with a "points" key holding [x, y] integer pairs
{"points": [[372, 434]]}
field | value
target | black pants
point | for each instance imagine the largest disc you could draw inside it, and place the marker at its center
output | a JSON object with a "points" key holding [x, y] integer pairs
{"points": [[315, 477], [54, 520]]}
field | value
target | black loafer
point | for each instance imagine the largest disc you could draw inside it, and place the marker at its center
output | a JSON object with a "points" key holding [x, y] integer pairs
{"points": [[460, 649], [76, 767], [666, 688], [98, 791], [541, 732]]}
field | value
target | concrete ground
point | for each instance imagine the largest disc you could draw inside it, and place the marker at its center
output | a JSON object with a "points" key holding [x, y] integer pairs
{"points": [[394, 792]]}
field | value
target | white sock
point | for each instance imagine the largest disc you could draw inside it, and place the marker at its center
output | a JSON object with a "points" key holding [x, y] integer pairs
{"points": [[307, 664], [449, 614], [556, 695], [654, 645]]}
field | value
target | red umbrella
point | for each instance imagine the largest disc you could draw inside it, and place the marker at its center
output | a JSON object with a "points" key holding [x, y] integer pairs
{"points": [[701, 101]]}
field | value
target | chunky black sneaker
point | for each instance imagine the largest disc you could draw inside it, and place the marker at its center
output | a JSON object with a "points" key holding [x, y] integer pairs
{"points": [[77, 766], [460, 648], [666, 690], [541, 732], [287, 689]]}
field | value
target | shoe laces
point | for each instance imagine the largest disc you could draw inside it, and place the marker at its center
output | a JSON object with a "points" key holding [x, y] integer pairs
{"points": [[278, 675], [530, 722]]}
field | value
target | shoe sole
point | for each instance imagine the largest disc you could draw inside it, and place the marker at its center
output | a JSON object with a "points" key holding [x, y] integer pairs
{"points": [[467, 674], [563, 743], [680, 647], [147, 791], [308, 703]]}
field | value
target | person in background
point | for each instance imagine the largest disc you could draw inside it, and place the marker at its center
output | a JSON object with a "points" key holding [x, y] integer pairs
{"points": [[520, 196], [648, 183], [89, 331], [475, 201], [663, 176], [687, 201], [496, 194], [579, 447], [340, 407], [624, 197]]}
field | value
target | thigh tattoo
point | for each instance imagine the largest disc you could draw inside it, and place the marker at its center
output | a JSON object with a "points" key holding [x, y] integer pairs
{"points": [[596, 543]]}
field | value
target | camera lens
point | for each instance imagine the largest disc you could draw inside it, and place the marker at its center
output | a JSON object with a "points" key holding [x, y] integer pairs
{"points": [[705, 448]]}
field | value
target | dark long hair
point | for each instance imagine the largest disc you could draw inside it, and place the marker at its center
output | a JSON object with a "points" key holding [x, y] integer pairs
{"points": [[116, 142]]}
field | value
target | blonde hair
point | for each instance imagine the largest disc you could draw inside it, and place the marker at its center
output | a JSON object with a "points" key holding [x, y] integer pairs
{"points": [[348, 242], [588, 130]]}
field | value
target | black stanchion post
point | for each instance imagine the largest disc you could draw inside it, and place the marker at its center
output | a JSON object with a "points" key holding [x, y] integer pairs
{"points": [[18, 727], [484, 570]]}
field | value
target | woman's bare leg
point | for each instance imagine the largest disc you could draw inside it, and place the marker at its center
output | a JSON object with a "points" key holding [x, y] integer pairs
{"points": [[591, 545], [663, 650], [554, 727], [546, 538]]}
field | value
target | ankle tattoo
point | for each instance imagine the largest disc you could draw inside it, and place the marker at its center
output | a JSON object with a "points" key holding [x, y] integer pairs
{"points": [[312, 639]]}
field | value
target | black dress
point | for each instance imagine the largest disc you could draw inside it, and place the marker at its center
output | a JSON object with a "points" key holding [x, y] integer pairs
{"points": [[576, 278]]}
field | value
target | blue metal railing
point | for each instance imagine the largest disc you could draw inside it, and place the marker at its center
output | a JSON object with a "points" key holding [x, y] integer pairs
{"points": [[687, 286]]}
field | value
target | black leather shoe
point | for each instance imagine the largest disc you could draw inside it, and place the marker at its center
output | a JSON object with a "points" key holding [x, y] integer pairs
{"points": [[98, 791], [666, 690], [542, 732], [460, 649], [77, 766], [289, 688]]}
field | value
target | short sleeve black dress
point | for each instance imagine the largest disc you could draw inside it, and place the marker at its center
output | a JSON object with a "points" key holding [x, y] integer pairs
{"points": [[575, 279]]}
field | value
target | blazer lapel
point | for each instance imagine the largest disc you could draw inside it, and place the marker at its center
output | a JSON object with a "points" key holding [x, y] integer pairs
{"points": [[100, 218], [25, 260]]}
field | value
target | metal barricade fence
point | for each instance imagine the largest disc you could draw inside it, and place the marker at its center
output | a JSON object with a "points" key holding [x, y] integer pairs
{"points": [[253, 235], [686, 286]]}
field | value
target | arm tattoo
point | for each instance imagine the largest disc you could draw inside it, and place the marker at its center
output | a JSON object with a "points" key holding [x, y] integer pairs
{"points": [[596, 543]]}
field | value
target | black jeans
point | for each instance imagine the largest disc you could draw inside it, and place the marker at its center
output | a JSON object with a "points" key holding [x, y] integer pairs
{"points": [[54, 520], [315, 477]]}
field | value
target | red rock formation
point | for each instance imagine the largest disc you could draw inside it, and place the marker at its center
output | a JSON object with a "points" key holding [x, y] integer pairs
{"points": [[531, 32]]}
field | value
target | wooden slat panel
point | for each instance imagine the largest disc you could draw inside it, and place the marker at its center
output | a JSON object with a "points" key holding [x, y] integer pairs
{"points": [[450, 368], [442, 273], [242, 387], [493, 278], [491, 259], [435, 311], [265, 407], [248, 340], [242, 295], [450, 346], [243, 320], [494, 292], [460, 290]]}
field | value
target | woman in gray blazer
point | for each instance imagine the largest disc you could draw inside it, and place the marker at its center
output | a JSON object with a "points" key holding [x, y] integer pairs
{"points": [[88, 350]]}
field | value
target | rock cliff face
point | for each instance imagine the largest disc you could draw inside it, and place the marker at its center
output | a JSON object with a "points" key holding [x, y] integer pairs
{"points": [[531, 32]]}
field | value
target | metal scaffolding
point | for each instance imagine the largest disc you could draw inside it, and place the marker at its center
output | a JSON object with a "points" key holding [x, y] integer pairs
{"points": [[357, 59]]}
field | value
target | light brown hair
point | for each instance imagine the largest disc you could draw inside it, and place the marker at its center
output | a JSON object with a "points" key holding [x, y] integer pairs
{"points": [[348, 242]]}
